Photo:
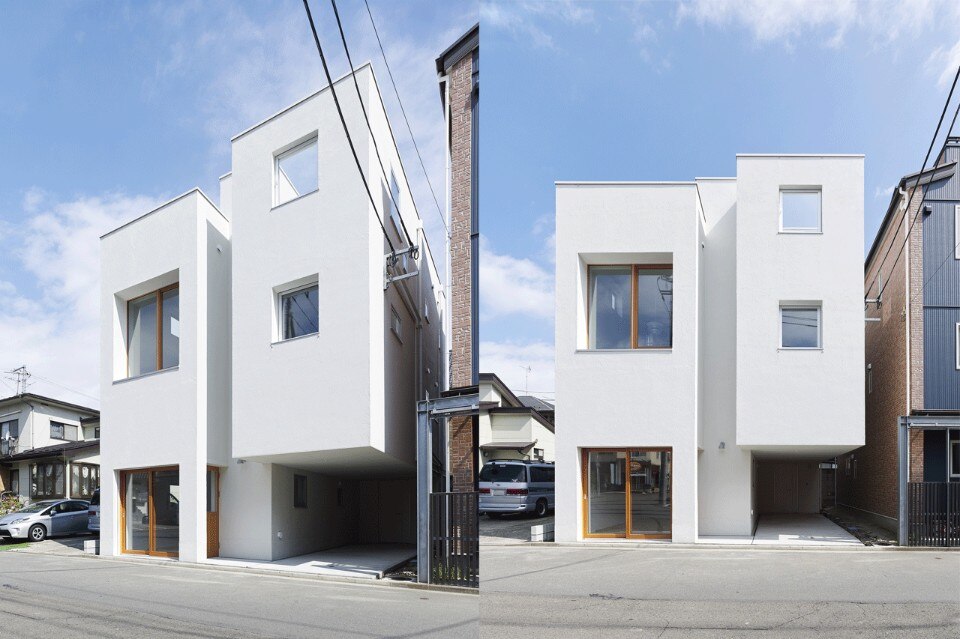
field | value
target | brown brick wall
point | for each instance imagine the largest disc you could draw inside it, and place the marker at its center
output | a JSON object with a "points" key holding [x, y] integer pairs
{"points": [[462, 430], [461, 86], [874, 488]]}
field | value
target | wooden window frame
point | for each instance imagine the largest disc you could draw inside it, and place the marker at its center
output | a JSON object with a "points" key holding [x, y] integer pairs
{"points": [[151, 513], [94, 470], [158, 295], [635, 270], [54, 494], [585, 492]]}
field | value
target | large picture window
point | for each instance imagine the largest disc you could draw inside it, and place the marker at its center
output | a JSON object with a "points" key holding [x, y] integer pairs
{"points": [[628, 493], [150, 511], [630, 307], [46, 481], [153, 331]]}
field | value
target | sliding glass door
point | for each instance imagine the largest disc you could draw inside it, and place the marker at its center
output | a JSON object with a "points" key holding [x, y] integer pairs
{"points": [[627, 493], [150, 511]]}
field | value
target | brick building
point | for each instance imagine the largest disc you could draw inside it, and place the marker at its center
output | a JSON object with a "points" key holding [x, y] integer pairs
{"points": [[912, 368], [459, 75]]}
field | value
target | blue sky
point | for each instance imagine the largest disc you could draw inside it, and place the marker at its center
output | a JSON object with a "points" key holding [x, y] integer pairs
{"points": [[672, 91], [109, 108]]}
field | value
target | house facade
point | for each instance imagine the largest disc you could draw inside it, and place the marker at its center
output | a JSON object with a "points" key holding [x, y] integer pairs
{"points": [[708, 335], [912, 363], [261, 358], [511, 426], [49, 449]]}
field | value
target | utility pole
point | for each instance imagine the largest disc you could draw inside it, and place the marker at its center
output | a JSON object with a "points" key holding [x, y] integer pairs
{"points": [[20, 376]]}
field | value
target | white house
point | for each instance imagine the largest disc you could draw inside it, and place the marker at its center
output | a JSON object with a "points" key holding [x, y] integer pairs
{"points": [[262, 358], [511, 426], [48, 448], [709, 346]]}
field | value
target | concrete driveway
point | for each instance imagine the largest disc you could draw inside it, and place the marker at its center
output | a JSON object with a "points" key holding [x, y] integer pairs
{"points": [[509, 529], [791, 530]]}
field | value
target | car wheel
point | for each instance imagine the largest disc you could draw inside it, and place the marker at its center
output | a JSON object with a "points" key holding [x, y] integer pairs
{"points": [[37, 533], [493, 515], [541, 508]]}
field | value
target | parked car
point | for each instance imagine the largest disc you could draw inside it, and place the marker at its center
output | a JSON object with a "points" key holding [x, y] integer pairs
{"points": [[93, 520], [516, 486], [46, 518]]}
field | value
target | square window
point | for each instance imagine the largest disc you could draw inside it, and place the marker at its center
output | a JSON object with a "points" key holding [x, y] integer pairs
{"points": [[299, 491], [299, 312], [296, 172], [800, 327], [800, 211], [630, 307], [153, 331]]}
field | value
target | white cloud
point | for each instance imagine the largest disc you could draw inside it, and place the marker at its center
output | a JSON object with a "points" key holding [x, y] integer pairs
{"points": [[881, 193], [522, 19], [510, 359], [945, 62], [513, 286], [50, 324]]}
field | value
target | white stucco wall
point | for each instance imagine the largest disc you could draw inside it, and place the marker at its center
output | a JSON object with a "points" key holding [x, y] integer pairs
{"points": [[630, 398], [809, 401]]}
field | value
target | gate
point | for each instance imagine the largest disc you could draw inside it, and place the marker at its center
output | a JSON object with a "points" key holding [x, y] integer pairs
{"points": [[933, 511], [455, 539]]}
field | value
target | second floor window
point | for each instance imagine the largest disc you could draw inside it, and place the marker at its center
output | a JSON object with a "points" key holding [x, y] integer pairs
{"points": [[153, 331], [299, 312], [630, 307], [800, 211], [800, 327], [66, 432], [8, 432]]}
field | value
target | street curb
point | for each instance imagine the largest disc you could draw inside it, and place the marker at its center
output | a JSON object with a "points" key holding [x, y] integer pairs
{"points": [[287, 574]]}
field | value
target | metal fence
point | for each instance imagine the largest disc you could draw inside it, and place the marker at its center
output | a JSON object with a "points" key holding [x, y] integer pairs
{"points": [[933, 514], [455, 539]]}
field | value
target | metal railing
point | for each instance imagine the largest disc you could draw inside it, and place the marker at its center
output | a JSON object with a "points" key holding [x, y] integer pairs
{"points": [[933, 514], [455, 539]]}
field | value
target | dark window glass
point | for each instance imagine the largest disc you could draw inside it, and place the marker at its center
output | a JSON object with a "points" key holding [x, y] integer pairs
{"points": [[171, 328], [654, 308], [299, 491], [610, 307], [503, 472], [800, 327], [300, 312]]}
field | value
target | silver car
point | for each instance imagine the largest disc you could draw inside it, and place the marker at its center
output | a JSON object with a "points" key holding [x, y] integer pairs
{"points": [[93, 523], [46, 518], [516, 486]]}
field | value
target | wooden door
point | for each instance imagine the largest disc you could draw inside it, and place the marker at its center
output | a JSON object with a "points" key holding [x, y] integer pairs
{"points": [[213, 512]]}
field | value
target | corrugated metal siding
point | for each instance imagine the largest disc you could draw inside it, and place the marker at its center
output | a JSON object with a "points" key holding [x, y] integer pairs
{"points": [[942, 288], [941, 379]]}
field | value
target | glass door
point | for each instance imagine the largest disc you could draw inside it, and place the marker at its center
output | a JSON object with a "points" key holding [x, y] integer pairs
{"points": [[627, 493], [150, 511]]}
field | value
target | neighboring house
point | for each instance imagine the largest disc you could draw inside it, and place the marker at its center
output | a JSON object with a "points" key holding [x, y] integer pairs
{"points": [[48, 448], [708, 335], [458, 69], [912, 367], [261, 359], [511, 428]]}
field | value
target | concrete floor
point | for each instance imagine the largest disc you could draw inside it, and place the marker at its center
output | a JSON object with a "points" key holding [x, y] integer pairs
{"points": [[364, 561], [668, 592], [790, 530]]}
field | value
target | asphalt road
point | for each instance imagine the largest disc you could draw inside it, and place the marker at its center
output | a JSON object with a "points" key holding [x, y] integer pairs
{"points": [[669, 593], [47, 596]]}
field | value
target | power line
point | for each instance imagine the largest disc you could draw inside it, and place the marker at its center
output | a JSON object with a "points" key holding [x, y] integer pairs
{"points": [[910, 198], [917, 214], [72, 390], [376, 147], [343, 121], [407, 121]]}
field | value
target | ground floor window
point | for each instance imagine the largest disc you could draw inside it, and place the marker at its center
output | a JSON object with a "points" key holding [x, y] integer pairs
{"points": [[627, 493], [84, 479], [150, 511], [15, 481], [46, 480]]}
